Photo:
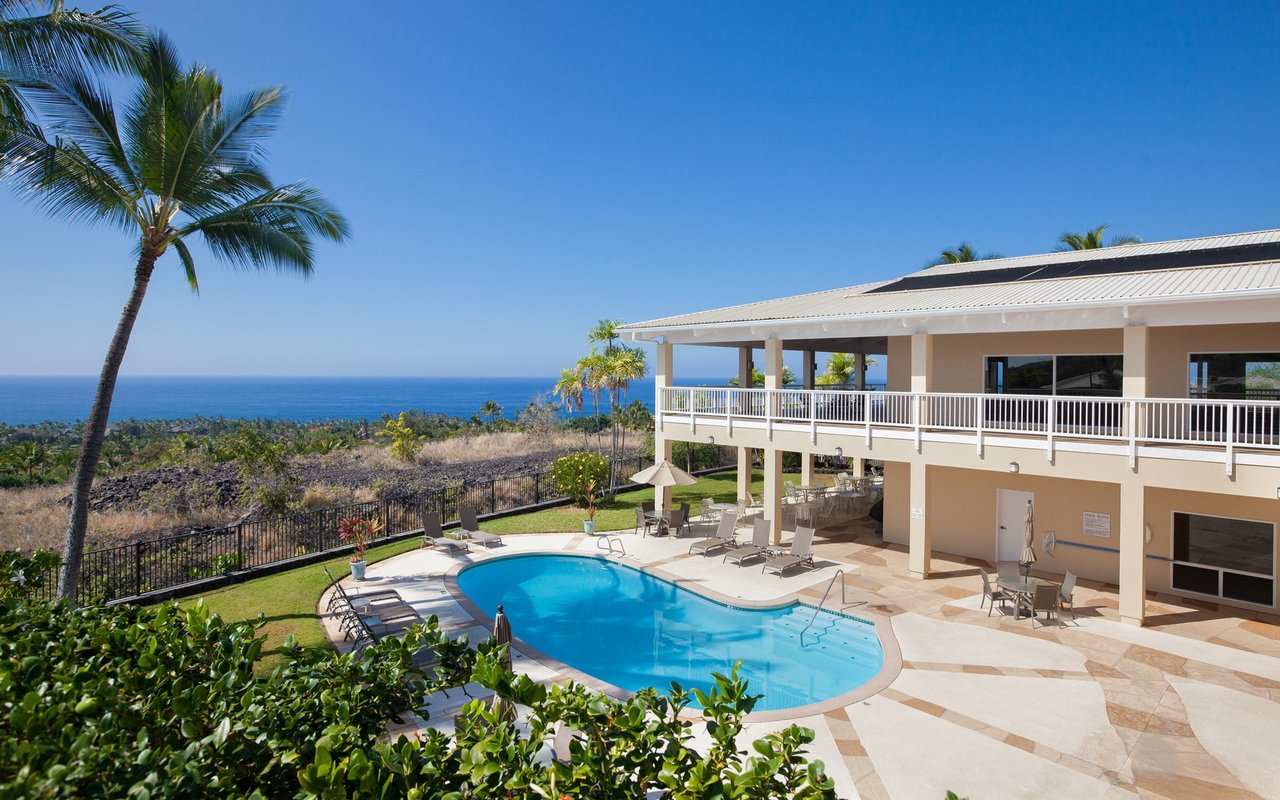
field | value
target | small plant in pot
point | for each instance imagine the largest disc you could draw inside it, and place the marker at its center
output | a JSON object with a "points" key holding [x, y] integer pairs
{"points": [[360, 531], [589, 524]]}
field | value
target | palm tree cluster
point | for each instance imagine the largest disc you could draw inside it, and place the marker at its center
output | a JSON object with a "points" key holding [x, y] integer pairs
{"points": [[184, 161], [1089, 240], [610, 373]]}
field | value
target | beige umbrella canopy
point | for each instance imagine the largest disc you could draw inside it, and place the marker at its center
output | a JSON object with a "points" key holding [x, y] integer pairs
{"points": [[502, 635], [664, 474], [1028, 552]]}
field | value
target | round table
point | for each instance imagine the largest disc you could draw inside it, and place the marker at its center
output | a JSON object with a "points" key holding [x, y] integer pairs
{"points": [[1022, 586]]}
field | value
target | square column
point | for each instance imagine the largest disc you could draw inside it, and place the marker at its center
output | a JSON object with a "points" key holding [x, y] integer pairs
{"points": [[808, 376], [921, 362], [1133, 552], [662, 379], [920, 539], [860, 371], [773, 456], [1135, 361], [745, 370]]}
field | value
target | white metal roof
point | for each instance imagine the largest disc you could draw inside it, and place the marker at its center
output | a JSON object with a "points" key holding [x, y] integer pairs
{"points": [[1189, 284]]}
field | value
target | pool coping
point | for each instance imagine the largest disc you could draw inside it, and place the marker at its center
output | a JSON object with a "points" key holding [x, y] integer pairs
{"points": [[890, 668]]}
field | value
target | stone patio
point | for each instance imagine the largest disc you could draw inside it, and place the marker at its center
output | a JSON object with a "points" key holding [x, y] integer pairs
{"points": [[986, 706]]}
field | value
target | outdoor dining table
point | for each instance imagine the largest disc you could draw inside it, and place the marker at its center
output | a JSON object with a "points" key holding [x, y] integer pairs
{"points": [[817, 490], [1020, 585], [662, 518]]}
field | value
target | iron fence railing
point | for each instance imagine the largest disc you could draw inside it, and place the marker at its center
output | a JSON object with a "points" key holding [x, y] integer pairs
{"points": [[142, 567]]}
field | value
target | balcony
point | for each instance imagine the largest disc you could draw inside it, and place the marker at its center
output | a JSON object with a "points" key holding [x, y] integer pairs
{"points": [[1181, 428]]}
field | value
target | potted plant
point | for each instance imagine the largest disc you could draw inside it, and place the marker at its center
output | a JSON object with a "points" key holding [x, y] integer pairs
{"points": [[358, 530], [589, 524]]}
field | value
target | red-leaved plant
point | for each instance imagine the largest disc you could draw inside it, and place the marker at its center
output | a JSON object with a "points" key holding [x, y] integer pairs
{"points": [[358, 530]]}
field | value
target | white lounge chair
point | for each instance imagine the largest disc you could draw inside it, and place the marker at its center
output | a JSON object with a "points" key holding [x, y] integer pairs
{"points": [[467, 523], [722, 539], [798, 554], [758, 546], [433, 536]]}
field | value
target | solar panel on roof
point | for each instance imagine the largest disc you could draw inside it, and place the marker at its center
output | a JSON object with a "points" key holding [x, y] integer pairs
{"points": [[1242, 254]]}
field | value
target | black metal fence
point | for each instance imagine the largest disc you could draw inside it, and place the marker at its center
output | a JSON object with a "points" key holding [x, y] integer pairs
{"points": [[139, 568]]}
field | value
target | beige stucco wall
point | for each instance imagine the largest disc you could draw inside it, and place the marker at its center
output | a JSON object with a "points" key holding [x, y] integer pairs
{"points": [[1169, 350], [959, 360], [897, 501], [898, 370]]}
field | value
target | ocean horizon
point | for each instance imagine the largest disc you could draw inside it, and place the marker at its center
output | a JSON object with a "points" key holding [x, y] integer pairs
{"points": [[26, 400]]}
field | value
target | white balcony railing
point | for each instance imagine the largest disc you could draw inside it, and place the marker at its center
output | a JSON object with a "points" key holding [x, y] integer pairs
{"points": [[1219, 425]]}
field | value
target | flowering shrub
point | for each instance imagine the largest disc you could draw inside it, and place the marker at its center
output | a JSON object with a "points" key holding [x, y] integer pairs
{"points": [[580, 476], [360, 531]]}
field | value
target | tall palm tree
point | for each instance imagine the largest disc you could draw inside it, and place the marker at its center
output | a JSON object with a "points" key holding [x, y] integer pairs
{"points": [[624, 365], [1092, 240], [63, 39], [961, 255], [606, 331], [491, 409], [186, 164], [842, 369], [570, 388], [595, 379]]}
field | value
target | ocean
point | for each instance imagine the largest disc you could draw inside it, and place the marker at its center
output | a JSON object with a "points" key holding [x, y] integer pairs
{"points": [[26, 400]]}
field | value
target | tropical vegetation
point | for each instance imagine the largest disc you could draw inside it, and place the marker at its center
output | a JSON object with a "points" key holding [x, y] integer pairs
{"points": [[961, 255], [1092, 240], [580, 476], [186, 164]]}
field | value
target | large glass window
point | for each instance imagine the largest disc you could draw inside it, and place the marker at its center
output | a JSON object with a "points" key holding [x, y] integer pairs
{"points": [[1230, 558], [1081, 376], [1242, 376]]}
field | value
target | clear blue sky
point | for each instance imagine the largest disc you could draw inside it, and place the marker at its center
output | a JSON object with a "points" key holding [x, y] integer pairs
{"points": [[514, 172]]}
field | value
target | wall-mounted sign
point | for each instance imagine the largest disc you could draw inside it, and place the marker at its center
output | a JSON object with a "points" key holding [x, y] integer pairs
{"points": [[1096, 524], [917, 512]]}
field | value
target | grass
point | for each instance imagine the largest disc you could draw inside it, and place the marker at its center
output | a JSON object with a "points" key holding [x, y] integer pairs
{"points": [[288, 600]]}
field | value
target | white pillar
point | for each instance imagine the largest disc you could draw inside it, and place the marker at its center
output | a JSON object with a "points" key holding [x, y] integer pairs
{"points": [[919, 543], [1133, 552], [745, 370], [860, 371], [1135, 361], [921, 362], [808, 376], [772, 455], [662, 379]]}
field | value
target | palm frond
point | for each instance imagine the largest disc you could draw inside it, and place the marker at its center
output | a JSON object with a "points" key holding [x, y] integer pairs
{"points": [[188, 264], [108, 38]]}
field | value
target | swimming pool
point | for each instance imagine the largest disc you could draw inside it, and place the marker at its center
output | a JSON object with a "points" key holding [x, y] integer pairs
{"points": [[635, 630]]}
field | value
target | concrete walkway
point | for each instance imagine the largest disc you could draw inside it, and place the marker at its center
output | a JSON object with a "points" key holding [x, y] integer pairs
{"points": [[986, 706]]}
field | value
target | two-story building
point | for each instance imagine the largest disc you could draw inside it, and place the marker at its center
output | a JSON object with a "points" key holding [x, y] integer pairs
{"points": [[1130, 394]]}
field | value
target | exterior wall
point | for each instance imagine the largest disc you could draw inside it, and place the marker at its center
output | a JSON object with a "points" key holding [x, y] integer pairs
{"points": [[1161, 503], [1170, 348], [963, 507], [898, 370], [958, 359], [897, 502]]}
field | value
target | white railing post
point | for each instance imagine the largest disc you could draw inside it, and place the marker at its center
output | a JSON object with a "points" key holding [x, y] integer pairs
{"points": [[728, 410], [915, 416], [1050, 422], [1133, 433], [866, 415], [978, 420], [660, 402], [768, 412], [1231, 438], [813, 417]]}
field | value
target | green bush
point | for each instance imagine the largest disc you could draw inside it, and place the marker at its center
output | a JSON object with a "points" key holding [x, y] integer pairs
{"points": [[580, 474]]}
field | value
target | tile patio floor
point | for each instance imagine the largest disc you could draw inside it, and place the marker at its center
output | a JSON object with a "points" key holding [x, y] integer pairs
{"points": [[989, 707]]}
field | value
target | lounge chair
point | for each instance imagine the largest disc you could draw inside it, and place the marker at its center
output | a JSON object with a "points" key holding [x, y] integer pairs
{"points": [[798, 554], [722, 539], [994, 595], [1065, 596], [433, 536], [471, 528], [1045, 599], [337, 597], [758, 546]]}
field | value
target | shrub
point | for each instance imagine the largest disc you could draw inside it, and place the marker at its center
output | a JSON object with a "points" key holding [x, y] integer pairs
{"points": [[316, 496], [575, 474], [405, 443]]}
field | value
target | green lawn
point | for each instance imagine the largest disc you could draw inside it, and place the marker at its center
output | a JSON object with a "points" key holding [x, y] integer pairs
{"points": [[288, 599]]}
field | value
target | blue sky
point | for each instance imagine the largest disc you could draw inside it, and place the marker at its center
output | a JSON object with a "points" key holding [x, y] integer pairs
{"points": [[514, 172]]}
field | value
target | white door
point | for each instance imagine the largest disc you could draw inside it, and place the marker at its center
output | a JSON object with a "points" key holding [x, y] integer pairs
{"points": [[1011, 523]]}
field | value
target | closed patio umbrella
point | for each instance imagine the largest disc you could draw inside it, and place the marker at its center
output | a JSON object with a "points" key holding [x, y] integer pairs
{"points": [[502, 635], [1028, 552], [664, 474]]}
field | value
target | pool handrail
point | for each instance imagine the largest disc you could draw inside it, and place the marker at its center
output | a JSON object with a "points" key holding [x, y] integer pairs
{"points": [[844, 600]]}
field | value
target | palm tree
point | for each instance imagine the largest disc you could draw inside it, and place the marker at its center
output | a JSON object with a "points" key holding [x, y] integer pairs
{"points": [[30, 456], [606, 330], [1092, 240], [961, 255], [185, 165], [491, 409], [66, 40], [842, 369], [624, 365], [570, 389], [757, 377], [595, 379]]}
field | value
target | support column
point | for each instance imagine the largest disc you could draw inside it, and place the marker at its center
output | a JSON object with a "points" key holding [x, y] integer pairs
{"points": [[1133, 552], [745, 370], [808, 377], [921, 362], [860, 371], [1135, 361], [772, 455], [661, 444], [920, 539]]}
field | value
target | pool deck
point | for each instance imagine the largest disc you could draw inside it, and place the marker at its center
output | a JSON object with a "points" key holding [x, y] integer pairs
{"points": [[988, 707]]}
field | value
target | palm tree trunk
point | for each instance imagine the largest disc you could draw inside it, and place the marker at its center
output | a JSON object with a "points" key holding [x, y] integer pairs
{"points": [[95, 430]]}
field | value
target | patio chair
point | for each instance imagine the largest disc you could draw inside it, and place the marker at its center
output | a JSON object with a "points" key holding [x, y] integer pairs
{"points": [[647, 505], [1045, 599], [993, 595], [1007, 569], [752, 502], [798, 554], [467, 523], [644, 523], [336, 598], [1065, 595], [758, 547], [722, 539], [433, 536], [677, 521], [706, 512]]}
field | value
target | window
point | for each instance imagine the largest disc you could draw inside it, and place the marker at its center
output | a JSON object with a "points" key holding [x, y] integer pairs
{"points": [[1240, 376], [1229, 558], [1078, 376]]}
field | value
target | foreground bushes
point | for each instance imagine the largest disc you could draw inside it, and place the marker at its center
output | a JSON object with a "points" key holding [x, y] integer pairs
{"points": [[163, 702]]}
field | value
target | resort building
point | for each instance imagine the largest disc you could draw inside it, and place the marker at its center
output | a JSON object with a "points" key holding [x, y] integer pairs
{"points": [[1130, 394]]}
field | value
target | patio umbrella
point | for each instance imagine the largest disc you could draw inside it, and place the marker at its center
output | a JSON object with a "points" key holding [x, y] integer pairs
{"points": [[502, 635], [664, 474], [1028, 552]]}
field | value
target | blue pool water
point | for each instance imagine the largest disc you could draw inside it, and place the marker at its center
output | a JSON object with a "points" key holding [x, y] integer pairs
{"points": [[635, 630]]}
